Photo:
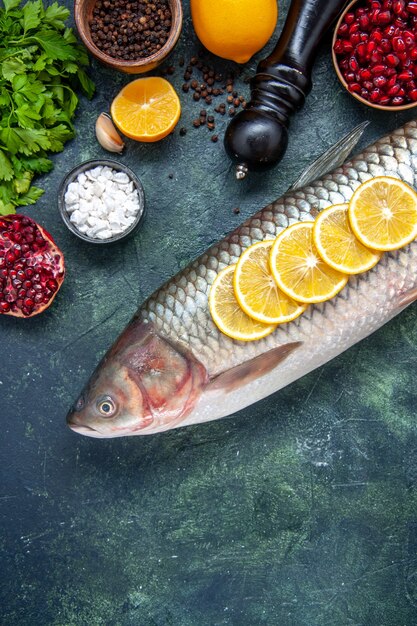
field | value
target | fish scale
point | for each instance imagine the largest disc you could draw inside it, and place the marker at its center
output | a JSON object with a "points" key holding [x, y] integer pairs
{"points": [[172, 366], [194, 327]]}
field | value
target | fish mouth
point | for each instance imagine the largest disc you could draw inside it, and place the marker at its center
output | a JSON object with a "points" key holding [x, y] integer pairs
{"points": [[85, 430]]}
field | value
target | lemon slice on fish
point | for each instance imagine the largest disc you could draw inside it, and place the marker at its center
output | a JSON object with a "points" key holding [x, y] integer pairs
{"points": [[256, 290], [337, 244], [298, 268], [227, 314], [383, 213]]}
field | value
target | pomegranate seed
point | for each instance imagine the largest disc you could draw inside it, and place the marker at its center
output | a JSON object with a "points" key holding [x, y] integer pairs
{"points": [[397, 101], [377, 35], [413, 95], [368, 85], [398, 6], [375, 15], [364, 37], [349, 18], [401, 92], [375, 95], [386, 45], [361, 49], [384, 17], [347, 47], [355, 39], [364, 22], [405, 76], [379, 69], [413, 54], [392, 81], [353, 64], [380, 81], [389, 31], [365, 74], [412, 8], [376, 57], [343, 30], [392, 60], [398, 44], [338, 46], [392, 91], [4, 307], [355, 87]]}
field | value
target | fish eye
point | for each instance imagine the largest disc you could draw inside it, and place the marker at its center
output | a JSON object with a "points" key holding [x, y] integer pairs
{"points": [[106, 407]]}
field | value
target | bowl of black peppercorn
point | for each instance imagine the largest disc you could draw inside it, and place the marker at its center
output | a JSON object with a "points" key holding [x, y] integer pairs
{"points": [[130, 36]]}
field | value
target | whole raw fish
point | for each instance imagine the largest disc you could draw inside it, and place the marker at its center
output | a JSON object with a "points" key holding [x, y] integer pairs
{"points": [[172, 367]]}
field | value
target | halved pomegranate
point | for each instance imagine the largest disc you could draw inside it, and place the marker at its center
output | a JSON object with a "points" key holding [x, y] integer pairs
{"points": [[31, 267]]}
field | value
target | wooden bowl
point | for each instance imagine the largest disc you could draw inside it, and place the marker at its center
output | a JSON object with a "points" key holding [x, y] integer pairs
{"points": [[83, 12], [402, 107]]}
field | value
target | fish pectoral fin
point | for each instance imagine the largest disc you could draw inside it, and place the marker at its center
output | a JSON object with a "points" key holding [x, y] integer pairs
{"points": [[333, 158], [407, 298], [255, 368]]}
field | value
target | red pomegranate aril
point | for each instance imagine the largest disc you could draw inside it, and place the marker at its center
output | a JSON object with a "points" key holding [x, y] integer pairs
{"points": [[376, 57], [379, 69], [355, 38], [347, 47], [413, 95], [353, 64], [368, 85], [405, 76], [412, 8], [374, 15], [365, 74], [398, 6], [355, 87], [365, 94], [375, 95], [385, 101], [349, 18], [398, 44], [397, 101], [338, 46], [385, 45], [4, 307], [361, 49], [383, 18], [376, 35], [364, 22], [343, 30], [371, 47], [401, 92], [392, 60]]}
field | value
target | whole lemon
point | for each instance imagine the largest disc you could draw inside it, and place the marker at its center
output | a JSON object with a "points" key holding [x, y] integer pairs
{"points": [[234, 29]]}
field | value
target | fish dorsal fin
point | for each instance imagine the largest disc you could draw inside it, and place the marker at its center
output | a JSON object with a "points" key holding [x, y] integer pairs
{"points": [[334, 157], [250, 370]]}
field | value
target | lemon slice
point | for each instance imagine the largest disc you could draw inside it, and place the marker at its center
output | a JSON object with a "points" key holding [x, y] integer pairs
{"points": [[256, 290], [227, 314], [383, 213], [298, 268], [337, 244]]}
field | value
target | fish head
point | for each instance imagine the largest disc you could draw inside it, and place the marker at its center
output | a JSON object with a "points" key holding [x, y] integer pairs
{"points": [[144, 384]]}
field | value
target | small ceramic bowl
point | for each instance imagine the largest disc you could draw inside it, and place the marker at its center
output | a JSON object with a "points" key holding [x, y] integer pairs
{"points": [[88, 165], [83, 12], [350, 7]]}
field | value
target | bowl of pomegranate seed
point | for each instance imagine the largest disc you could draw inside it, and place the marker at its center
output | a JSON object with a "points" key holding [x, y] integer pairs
{"points": [[375, 53]]}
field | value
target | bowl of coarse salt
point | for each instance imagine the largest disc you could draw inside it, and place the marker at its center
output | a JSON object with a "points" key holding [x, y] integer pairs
{"points": [[101, 201]]}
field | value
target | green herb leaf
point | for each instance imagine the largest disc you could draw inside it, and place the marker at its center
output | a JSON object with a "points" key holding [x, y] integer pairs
{"points": [[40, 63], [6, 167], [54, 45], [11, 67], [31, 18], [11, 4]]}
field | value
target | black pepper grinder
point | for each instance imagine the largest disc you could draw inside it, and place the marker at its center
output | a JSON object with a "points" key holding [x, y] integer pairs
{"points": [[256, 139]]}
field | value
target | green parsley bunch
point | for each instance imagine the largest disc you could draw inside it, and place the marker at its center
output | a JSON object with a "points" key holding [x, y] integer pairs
{"points": [[41, 64]]}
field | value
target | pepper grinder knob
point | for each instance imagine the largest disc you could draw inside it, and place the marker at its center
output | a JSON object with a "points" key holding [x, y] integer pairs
{"points": [[256, 139]]}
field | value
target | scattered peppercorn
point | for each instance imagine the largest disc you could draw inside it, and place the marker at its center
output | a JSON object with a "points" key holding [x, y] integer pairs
{"points": [[196, 123], [232, 111], [214, 138], [131, 31], [171, 175], [236, 210], [229, 99], [183, 131], [186, 87]]}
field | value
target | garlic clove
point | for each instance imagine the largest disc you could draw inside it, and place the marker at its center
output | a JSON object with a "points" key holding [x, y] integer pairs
{"points": [[107, 135]]}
